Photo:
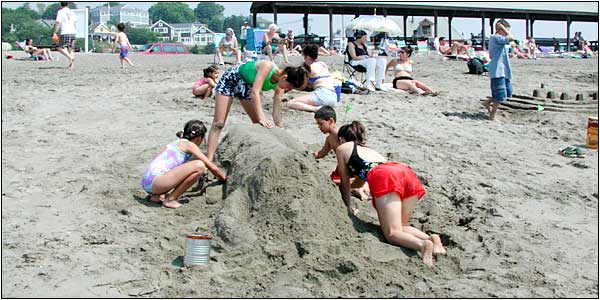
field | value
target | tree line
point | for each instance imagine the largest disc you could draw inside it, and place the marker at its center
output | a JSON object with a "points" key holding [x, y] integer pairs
{"points": [[23, 22]]}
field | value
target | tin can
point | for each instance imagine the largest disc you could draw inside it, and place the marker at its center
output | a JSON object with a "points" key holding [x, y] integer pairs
{"points": [[197, 250]]}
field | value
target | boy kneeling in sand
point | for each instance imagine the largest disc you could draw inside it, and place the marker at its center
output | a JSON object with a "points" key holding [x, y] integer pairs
{"points": [[326, 118], [499, 67]]}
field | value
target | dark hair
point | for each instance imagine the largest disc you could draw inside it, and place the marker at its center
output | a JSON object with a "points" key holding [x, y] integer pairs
{"points": [[27, 41], [64, 3], [121, 26], [211, 69], [407, 50], [441, 38], [297, 76], [504, 23], [311, 51], [325, 113], [353, 132], [360, 33], [192, 129]]}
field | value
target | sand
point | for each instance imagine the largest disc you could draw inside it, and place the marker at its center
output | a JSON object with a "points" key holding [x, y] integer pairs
{"points": [[518, 219]]}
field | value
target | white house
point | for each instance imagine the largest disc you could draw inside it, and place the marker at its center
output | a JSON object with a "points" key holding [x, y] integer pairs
{"points": [[185, 33], [121, 14]]}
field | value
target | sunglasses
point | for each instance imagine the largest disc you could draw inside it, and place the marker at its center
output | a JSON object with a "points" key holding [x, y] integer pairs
{"points": [[401, 51]]}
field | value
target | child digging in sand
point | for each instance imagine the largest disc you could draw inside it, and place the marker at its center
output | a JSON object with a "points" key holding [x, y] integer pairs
{"points": [[395, 189], [124, 45], [326, 118], [499, 67], [172, 169], [203, 88]]}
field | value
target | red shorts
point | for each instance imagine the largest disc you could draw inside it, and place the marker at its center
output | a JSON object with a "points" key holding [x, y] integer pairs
{"points": [[394, 177], [335, 176]]}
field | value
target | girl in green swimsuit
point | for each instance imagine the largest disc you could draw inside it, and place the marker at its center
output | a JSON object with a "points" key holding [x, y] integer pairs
{"points": [[245, 82]]}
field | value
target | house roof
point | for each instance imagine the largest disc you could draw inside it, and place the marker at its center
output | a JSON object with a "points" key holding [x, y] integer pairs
{"points": [[161, 21], [201, 27]]}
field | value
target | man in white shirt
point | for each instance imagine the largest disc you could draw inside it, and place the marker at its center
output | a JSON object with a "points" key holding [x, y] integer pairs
{"points": [[65, 19], [243, 36]]}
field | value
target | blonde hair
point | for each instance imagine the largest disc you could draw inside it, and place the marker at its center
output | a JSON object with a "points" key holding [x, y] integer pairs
{"points": [[273, 27]]}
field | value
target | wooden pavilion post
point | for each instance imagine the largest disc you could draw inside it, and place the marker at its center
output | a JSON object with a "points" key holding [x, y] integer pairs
{"points": [[483, 47], [492, 19], [531, 27], [568, 33], [450, 30], [274, 13], [330, 28], [305, 23], [254, 20], [404, 29], [527, 26], [435, 24]]}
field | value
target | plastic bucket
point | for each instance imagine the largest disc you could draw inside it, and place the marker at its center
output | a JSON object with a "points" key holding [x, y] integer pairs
{"points": [[592, 133], [197, 250]]}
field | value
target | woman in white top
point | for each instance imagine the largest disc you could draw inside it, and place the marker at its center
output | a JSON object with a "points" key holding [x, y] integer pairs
{"points": [[402, 78], [228, 46]]}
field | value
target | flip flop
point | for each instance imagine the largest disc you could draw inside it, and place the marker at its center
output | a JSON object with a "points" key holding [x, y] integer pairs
{"points": [[567, 152]]}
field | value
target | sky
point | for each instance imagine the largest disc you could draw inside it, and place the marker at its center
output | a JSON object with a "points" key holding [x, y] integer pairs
{"points": [[319, 24]]}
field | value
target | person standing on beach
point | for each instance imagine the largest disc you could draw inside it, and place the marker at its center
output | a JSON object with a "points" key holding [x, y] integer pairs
{"points": [[246, 82], [124, 45], [244, 35], [499, 67], [66, 21], [172, 169], [394, 187]]}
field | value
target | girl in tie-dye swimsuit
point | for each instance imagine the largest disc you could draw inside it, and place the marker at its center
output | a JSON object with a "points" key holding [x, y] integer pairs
{"points": [[173, 170]]}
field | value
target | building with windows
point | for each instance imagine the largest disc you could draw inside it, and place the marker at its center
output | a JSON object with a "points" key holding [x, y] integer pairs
{"points": [[120, 14], [185, 33]]}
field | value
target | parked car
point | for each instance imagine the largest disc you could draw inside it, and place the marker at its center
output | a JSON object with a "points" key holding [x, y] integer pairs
{"points": [[164, 48]]}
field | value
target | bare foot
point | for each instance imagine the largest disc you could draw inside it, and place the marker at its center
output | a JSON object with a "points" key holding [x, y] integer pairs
{"points": [[486, 105], [72, 64], [157, 199], [171, 204], [427, 253], [438, 248]]}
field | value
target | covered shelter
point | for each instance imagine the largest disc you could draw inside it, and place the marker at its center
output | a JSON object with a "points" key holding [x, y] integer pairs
{"points": [[528, 11]]}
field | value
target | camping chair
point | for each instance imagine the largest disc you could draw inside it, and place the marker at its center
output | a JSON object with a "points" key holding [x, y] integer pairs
{"points": [[388, 47], [258, 41], [351, 70], [422, 48], [31, 56]]}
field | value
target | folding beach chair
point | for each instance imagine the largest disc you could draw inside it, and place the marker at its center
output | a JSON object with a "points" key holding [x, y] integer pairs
{"points": [[31, 56], [217, 41], [258, 40], [422, 48], [352, 70]]}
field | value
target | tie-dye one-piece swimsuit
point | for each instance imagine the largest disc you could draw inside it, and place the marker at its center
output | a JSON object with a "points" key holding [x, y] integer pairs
{"points": [[163, 163]]}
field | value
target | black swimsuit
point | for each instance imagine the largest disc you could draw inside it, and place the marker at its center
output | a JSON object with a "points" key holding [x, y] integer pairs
{"points": [[400, 78], [358, 166]]}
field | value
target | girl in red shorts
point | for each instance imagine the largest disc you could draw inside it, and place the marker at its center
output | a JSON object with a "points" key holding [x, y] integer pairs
{"points": [[395, 190]]}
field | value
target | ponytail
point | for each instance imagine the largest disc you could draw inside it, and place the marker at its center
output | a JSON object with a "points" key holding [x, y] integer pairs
{"points": [[353, 132], [192, 130]]}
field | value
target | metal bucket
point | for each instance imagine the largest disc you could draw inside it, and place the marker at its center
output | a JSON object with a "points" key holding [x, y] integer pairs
{"points": [[197, 250]]}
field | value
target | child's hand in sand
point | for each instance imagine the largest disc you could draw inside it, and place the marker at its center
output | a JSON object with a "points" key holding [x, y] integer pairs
{"points": [[352, 211], [265, 123]]}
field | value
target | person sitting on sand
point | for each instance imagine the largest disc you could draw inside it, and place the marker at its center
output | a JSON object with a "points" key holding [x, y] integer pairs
{"points": [[457, 48], [229, 46], [273, 44], [394, 187], [515, 50], [172, 169], [246, 82], [325, 118], [320, 79], [530, 47], [402, 78], [34, 51], [203, 88], [325, 52]]}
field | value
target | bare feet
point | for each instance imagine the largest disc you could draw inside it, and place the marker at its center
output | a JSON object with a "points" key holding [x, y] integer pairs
{"points": [[438, 248], [486, 105], [72, 64], [157, 198], [427, 253], [171, 204]]}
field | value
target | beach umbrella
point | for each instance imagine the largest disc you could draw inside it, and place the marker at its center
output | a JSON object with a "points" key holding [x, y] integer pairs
{"points": [[374, 24]]}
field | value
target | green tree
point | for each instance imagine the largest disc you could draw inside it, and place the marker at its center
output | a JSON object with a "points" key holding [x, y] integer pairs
{"points": [[171, 12], [235, 22], [41, 7], [24, 26], [211, 14], [52, 10], [140, 36], [26, 8]]}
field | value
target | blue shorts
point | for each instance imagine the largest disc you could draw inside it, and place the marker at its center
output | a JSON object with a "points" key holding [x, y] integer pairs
{"points": [[324, 96], [123, 52], [501, 89]]}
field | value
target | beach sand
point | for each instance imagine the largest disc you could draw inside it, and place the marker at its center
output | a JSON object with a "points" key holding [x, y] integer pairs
{"points": [[517, 218]]}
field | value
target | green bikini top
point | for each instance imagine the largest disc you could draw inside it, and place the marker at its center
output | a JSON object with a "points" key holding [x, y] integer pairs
{"points": [[248, 73]]}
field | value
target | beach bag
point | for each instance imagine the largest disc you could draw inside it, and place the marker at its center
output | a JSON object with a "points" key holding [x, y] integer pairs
{"points": [[475, 66]]}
